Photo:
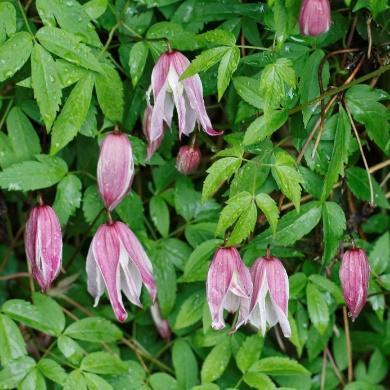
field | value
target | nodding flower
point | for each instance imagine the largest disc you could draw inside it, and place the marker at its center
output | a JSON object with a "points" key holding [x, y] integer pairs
{"points": [[315, 17], [188, 159]]}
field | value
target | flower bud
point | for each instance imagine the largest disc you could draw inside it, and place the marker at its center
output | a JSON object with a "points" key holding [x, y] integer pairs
{"points": [[162, 325], [188, 159], [43, 243], [315, 17], [115, 169], [354, 275]]}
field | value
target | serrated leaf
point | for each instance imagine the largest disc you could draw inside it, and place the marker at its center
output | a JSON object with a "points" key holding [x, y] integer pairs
{"points": [[14, 52], [216, 361], [13, 373], [317, 307], [249, 89], [227, 67], [67, 46], [249, 352], [217, 37], [327, 285], [279, 366], [46, 84], [259, 381], [11, 341], [137, 60], [109, 91], [70, 349], [270, 209], [69, 73], [103, 363], [75, 380], [95, 382], [191, 310], [52, 370], [72, 115], [7, 20], [334, 224], [219, 172]]}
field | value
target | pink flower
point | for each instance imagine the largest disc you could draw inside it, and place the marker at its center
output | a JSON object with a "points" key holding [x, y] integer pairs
{"points": [[269, 304], [115, 169], [146, 128], [162, 325], [117, 261], [354, 275], [170, 92], [315, 17], [229, 286], [188, 159], [43, 242]]}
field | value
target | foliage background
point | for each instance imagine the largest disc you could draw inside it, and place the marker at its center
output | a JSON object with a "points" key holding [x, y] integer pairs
{"points": [[70, 70]]}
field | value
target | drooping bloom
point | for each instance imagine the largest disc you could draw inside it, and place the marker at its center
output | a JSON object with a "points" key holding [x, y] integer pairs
{"points": [[269, 303], [170, 92], [146, 128], [315, 17], [117, 261], [43, 242], [115, 169], [162, 325], [354, 276], [188, 159], [229, 286]]}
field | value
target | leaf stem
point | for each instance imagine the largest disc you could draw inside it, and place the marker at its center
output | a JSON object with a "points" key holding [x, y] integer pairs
{"points": [[255, 47]]}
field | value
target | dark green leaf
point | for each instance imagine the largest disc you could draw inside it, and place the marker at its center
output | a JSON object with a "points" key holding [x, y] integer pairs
{"points": [[317, 307], [191, 310], [185, 364], [159, 213], [268, 206], [227, 67], [137, 60], [249, 89]]}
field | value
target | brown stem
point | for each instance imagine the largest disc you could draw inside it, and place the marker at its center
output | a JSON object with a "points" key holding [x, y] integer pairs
{"points": [[15, 276], [335, 368], [323, 370], [348, 345]]}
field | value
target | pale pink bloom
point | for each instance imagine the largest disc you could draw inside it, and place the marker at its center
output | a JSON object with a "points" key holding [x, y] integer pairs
{"points": [[115, 169], [315, 17], [162, 325], [170, 92], [269, 304], [43, 243], [354, 275], [188, 159], [117, 261], [146, 128], [229, 286]]}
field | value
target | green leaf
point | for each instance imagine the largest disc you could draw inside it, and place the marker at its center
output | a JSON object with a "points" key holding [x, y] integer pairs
{"points": [[13, 373], [137, 60], [52, 370], [357, 182], [95, 382], [327, 285], [216, 361], [103, 363], [70, 349], [69, 73], [377, 367], [217, 37], [293, 226], [33, 380], [278, 366], [94, 329], [109, 91], [92, 205], [334, 224], [159, 213], [249, 89], [162, 381], [259, 381], [198, 233], [227, 67], [73, 114], [249, 352], [33, 175], [46, 84], [75, 380], [11, 341], [265, 126], [287, 176], [14, 53], [68, 197], [204, 61], [339, 153], [317, 307], [379, 255], [270, 209], [22, 136], [219, 172], [191, 310], [7, 20], [95, 8], [67, 46], [185, 365], [131, 211]]}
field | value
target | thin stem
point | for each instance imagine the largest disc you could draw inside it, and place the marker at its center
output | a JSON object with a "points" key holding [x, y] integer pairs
{"points": [[15, 276], [254, 47], [110, 36], [25, 19], [334, 366], [348, 344], [6, 113], [323, 370]]}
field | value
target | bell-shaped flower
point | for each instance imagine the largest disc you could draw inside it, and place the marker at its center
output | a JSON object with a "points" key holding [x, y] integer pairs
{"points": [[117, 261], [269, 304], [315, 17], [229, 286], [354, 275], [169, 92], [161, 324], [43, 243], [146, 129], [188, 159], [115, 169]]}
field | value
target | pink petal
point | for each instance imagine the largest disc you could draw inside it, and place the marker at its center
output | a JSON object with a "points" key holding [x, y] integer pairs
{"points": [[188, 159], [95, 282], [160, 73], [146, 128], [162, 324], [315, 17]]}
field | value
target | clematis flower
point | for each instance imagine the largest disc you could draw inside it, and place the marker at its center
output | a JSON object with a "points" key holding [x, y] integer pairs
{"points": [[188, 159], [229, 286], [315, 17], [43, 244], [269, 304], [117, 261], [162, 325], [170, 92], [354, 276], [146, 129], [115, 169]]}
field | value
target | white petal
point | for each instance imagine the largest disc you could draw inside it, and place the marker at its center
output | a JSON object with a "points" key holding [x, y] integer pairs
{"points": [[95, 282]]}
